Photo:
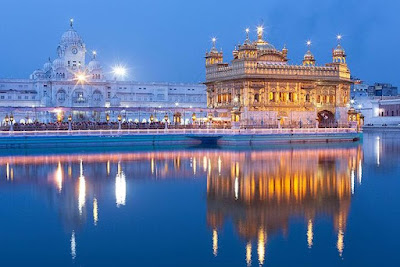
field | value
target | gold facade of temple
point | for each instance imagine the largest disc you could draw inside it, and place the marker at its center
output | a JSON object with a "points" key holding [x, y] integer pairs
{"points": [[260, 87]]}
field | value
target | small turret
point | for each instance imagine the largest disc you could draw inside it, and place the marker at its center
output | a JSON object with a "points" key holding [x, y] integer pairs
{"points": [[214, 57], [338, 54], [309, 59]]}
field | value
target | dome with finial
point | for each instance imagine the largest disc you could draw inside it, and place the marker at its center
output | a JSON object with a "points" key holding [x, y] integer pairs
{"points": [[260, 43], [58, 63], [47, 66], [94, 64], [309, 56], [339, 51], [71, 36]]}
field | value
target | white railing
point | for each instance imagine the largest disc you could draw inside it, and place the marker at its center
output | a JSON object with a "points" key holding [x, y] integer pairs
{"points": [[210, 132]]}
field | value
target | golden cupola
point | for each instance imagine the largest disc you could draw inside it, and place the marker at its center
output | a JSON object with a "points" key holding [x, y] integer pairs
{"points": [[214, 57], [338, 54], [309, 59]]}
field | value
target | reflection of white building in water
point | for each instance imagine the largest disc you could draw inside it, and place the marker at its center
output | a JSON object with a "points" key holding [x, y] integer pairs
{"points": [[82, 89]]}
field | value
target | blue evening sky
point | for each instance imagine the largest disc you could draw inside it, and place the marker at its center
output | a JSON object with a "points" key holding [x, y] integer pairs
{"points": [[165, 40]]}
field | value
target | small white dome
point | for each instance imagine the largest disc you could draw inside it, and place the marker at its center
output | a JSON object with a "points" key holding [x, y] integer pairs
{"points": [[47, 66], [58, 63], [94, 65]]}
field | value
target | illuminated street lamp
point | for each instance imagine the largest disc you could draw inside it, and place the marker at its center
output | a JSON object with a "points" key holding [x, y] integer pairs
{"points": [[12, 122], [210, 118], [108, 118], [166, 121], [69, 122], [194, 117], [151, 118], [119, 121], [7, 119]]}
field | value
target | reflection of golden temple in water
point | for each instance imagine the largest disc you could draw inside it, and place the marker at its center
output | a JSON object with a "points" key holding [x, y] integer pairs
{"points": [[260, 190]]}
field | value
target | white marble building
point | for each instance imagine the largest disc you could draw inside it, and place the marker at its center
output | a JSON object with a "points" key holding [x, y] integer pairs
{"points": [[71, 84]]}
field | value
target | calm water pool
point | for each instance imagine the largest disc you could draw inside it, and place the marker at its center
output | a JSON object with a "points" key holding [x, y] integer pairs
{"points": [[321, 205]]}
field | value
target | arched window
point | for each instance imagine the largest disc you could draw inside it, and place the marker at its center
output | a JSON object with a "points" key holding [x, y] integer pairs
{"points": [[307, 98], [256, 98]]}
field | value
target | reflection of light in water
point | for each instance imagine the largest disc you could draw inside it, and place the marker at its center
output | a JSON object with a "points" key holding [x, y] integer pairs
{"points": [[215, 242], [359, 172], [377, 150], [209, 166], [108, 167], [194, 166], [95, 212], [310, 234], [204, 163], [261, 246], [236, 188], [219, 164], [12, 174], [59, 177], [248, 254], [82, 190], [237, 169], [120, 187], [340, 242], [73, 245], [8, 171], [152, 165], [352, 178], [340, 237]]}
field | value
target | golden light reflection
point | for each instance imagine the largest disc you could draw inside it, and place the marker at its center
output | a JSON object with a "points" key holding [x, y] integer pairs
{"points": [[59, 177], [152, 165], [310, 233], [120, 187], [95, 212], [248, 254], [82, 190], [219, 164], [108, 167], [204, 163], [262, 238], [215, 242], [262, 190]]}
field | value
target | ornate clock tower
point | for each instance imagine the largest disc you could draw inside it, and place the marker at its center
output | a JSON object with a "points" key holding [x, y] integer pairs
{"points": [[72, 49]]}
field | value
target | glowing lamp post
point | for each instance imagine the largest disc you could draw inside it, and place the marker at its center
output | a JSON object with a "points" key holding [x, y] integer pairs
{"points": [[119, 121], [7, 119], [210, 118], [70, 123], [194, 118], [108, 118], [151, 118], [166, 121], [12, 122]]}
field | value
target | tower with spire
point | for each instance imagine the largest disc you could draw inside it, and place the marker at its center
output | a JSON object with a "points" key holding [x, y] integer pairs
{"points": [[308, 59], [213, 57]]}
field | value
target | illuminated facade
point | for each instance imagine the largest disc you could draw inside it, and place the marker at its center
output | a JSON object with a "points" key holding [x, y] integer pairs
{"points": [[259, 86], [82, 87]]}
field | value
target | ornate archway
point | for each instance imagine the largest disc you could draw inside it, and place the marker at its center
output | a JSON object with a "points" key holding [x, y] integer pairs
{"points": [[326, 118]]}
